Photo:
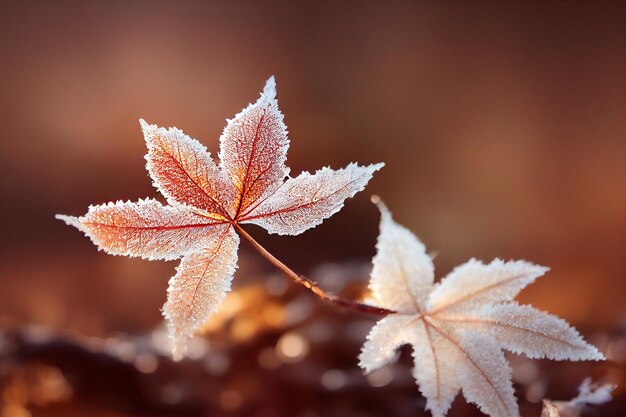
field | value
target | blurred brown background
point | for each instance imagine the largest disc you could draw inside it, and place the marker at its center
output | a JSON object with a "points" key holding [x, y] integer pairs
{"points": [[502, 127]]}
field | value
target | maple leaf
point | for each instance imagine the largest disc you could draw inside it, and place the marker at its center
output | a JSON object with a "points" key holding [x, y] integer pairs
{"points": [[458, 327], [207, 203]]}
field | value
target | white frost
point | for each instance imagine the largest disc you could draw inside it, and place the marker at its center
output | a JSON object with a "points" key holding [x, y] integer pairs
{"points": [[183, 171], [201, 282], [146, 229], [469, 318], [250, 185], [403, 272], [305, 201], [253, 149]]}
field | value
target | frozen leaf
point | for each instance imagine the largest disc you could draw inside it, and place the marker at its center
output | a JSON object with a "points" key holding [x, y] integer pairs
{"points": [[459, 327], [207, 201]]}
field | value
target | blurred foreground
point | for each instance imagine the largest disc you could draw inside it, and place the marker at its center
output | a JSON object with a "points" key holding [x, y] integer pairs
{"points": [[273, 350]]}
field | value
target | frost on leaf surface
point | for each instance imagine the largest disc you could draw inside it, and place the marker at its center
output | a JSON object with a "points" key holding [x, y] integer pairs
{"points": [[147, 229], [207, 201], [459, 327], [184, 172], [253, 149], [200, 284], [305, 201]]}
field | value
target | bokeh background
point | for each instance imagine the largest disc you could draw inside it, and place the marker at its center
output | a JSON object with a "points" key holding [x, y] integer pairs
{"points": [[502, 126]]}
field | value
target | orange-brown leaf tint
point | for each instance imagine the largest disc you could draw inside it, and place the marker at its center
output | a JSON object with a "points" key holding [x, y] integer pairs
{"points": [[147, 229], [199, 286], [253, 149], [206, 201], [184, 172]]}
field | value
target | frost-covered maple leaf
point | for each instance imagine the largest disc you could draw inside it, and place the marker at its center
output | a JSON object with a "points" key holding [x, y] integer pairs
{"points": [[207, 203], [458, 327]]}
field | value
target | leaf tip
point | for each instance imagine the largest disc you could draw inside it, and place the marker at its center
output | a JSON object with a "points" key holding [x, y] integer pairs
{"points": [[269, 91], [596, 355], [70, 220], [177, 337], [364, 364], [178, 352], [147, 128], [378, 166]]}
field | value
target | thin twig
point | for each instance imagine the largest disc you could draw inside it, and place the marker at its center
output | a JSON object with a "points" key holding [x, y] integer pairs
{"points": [[311, 285]]}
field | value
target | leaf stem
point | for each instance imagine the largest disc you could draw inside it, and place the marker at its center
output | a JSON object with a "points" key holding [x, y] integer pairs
{"points": [[309, 284]]}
